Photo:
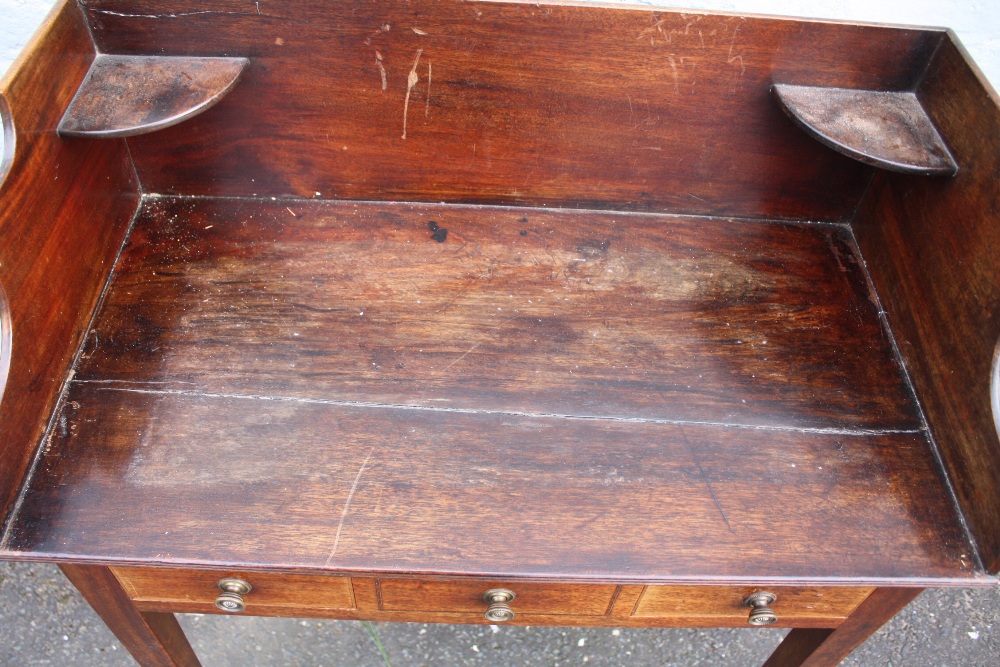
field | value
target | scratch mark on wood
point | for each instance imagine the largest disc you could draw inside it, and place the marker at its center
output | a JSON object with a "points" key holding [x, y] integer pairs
{"points": [[673, 70], [418, 31], [347, 506], [704, 478], [411, 81], [180, 15], [473, 348], [731, 59], [463, 356], [381, 70], [427, 107]]}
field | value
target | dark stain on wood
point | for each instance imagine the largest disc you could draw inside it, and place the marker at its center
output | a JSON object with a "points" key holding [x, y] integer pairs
{"points": [[439, 234], [592, 314]]}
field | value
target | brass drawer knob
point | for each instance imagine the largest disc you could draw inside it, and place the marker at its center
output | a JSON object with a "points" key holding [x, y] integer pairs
{"points": [[761, 612], [499, 599], [231, 598]]}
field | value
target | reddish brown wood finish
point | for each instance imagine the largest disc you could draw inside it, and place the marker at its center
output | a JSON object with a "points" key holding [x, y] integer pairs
{"points": [[567, 313], [886, 129], [578, 106], [295, 592], [467, 596], [461, 600], [417, 397], [932, 247], [827, 648], [828, 605], [65, 212], [154, 639], [309, 485], [123, 96]]}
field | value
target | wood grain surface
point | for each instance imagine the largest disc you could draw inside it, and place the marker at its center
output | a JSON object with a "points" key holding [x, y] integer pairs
{"points": [[467, 596], [269, 590], [574, 604], [830, 603], [932, 246], [512, 310], [582, 106], [304, 484], [123, 96], [65, 212]]}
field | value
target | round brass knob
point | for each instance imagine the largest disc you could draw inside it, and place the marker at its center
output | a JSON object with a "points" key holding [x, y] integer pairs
{"points": [[761, 612], [499, 599], [231, 598]]}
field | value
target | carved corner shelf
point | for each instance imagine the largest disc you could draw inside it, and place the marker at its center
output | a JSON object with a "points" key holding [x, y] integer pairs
{"points": [[889, 130], [457, 312], [123, 96]]}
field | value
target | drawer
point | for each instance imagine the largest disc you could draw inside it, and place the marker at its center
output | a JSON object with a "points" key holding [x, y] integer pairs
{"points": [[401, 595], [196, 590], [726, 603]]}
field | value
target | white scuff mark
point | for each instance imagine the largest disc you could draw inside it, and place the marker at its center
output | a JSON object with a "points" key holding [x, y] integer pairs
{"points": [[347, 506], [673, 70], [381, 70], [180, 15], [427, 107], [419, 31], [385, 27], [731, 58], [411, 81]]}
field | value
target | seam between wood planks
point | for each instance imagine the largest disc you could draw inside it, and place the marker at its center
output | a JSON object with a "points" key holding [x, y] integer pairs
{"points": [[510, 413]]}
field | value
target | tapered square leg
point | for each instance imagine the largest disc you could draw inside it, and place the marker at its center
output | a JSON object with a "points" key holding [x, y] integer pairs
{"points": [[153, 639], [827, 648]]}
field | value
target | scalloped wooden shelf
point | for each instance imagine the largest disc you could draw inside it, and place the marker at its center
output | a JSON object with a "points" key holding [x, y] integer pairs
{"points": [[123, 96], [889, 130]]}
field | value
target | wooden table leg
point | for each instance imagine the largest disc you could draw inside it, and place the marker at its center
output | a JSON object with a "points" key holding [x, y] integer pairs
{"points": [[153, 639], [827, 647]]}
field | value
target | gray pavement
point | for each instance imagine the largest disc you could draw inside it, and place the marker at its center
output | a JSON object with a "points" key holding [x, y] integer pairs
{"points": [[43, 621]]}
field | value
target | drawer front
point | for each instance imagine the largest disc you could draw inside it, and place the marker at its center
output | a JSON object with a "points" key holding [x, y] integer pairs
{"points": [[467, 597], [727, 602], [199, 587]]}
